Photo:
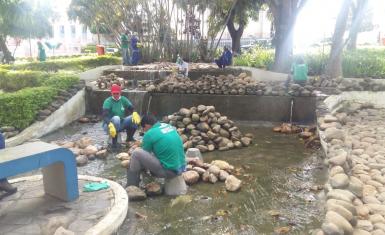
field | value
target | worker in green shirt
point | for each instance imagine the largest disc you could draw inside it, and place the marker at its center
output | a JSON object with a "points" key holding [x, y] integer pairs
{"points": [[161, 152], [299, 71], [124, 45], [115, 108]]}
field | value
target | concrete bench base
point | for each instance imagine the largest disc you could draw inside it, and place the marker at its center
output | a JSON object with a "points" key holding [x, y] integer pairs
{"points": [[175, 186]]}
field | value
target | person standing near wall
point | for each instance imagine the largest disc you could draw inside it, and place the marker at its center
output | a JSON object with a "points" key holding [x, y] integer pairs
{"points": [[4, 184], [41, 56], [124, 46], [135, 53]]}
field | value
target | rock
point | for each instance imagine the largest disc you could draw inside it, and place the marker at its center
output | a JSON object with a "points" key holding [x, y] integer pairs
{"points": [[364, 225], [339, 221], [90, 150], [213, 178], [125, 163], [84, 142], [362, 212], [378, 232], [123, 156], [355, 186], [202, 148], [84, 120], [339, 160], [214, 169], [223, 165], [334, 133], [153, 189], [81, 160], [347, 205], [332, 229], [232, 183], [202, 126], [68, 144], [341, 194], [54, 223], [223, 175], [305, 134], [195, 117], [339, 181], [63, 231], [199, 170], [185, 112], [135, 193], [336, 170], [7, 129], [358, 231], [191, 177], [245, 141], [376, 218], [206, 176], [76, 151], [102, 154], [330, 118], [340, 210]]}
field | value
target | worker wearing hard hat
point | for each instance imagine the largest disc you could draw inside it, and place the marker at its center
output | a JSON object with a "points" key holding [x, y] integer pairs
{"points": [[115, 109]]}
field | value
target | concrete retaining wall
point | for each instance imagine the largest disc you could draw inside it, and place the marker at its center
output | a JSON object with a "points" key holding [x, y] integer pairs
{"points": [[236, 107]]}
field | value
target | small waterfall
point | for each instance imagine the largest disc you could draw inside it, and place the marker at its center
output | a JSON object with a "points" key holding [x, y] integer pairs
{"points": [[291, 110], [149, 104]]}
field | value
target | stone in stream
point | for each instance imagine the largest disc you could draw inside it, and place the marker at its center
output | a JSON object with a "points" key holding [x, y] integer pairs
{"points": [[334, 133], [213, 178], [223, 175], [125, 163], [90, 150], [84, 142], [102, 154], [232, 183], [135, 194], [332, 229], [81, 160], [214, 169], [339, 180], [364, 225], [191, 177], [223, 165], [153, 189]]}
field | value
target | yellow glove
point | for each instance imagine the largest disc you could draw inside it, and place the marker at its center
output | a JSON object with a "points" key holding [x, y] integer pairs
{"points": [[111, 130], [135, 118]]}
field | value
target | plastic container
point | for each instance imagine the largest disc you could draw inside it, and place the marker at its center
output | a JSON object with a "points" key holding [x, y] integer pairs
{"points": [[100, 49], [193, 153]]}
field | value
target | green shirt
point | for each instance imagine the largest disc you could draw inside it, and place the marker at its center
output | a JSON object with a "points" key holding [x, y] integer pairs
{"points": [[124, 41], [117, 107], [164, 141], [299, 72]]}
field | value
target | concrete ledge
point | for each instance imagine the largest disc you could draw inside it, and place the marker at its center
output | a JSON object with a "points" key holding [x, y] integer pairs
{"points": [[73, 109], [111, 222]]}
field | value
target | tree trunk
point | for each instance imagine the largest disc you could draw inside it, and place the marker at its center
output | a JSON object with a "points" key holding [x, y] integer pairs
{"points": [[285, 15], [334, 65], [235, 34], [358, 15], [3, 47]]}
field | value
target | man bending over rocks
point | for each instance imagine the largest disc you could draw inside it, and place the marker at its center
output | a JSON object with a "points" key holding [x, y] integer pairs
{"points": [[161, 152]]}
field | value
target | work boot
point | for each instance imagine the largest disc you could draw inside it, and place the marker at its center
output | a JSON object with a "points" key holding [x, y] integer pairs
{"points": [[115, 146], [130, 135], [7, 187]]}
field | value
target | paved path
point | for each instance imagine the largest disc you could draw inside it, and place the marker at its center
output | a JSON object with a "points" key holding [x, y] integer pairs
{"points": [[29, 210]]}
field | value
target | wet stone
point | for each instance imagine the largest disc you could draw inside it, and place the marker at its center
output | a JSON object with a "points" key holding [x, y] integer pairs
{"points": [[339, 181], [135, 193]]}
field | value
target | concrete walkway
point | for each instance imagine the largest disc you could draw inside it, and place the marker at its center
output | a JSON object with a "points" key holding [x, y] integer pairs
{"points": [[264, 75], [29, 211]]}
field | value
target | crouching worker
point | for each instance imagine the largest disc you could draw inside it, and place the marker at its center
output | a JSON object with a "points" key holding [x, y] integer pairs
{"points": [[115, 109], [226, 58], [4, 184], [161, 152]]}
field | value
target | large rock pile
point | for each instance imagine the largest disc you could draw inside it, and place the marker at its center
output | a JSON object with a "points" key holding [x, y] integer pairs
{"points": [[217, 170], [354, 140], [106, 81], [204, 128], [228, 85], [84, 150]]}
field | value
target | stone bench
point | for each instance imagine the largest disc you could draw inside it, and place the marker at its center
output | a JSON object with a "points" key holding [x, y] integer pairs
{"points": [[58, 167]]}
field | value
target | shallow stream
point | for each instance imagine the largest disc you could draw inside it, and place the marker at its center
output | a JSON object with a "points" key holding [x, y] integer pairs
{"points": [[281, 181]]}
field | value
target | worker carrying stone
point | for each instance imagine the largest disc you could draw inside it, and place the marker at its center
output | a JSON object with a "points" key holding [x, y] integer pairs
{"points": [[161, 152], [115, 109]]}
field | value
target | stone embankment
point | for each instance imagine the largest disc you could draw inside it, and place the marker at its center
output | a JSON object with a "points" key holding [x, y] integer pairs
{"points": [[353, 137]]}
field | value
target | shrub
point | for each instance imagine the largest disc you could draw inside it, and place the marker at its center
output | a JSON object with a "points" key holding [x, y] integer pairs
{"points": [[19, 109], [77, 63], [257, 57], [61, 81], [16, 80]]}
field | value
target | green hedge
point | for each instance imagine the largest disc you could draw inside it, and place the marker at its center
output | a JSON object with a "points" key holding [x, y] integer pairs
{"points": [[77, 64], [19, 109], [358, 63], [11, 81]]}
